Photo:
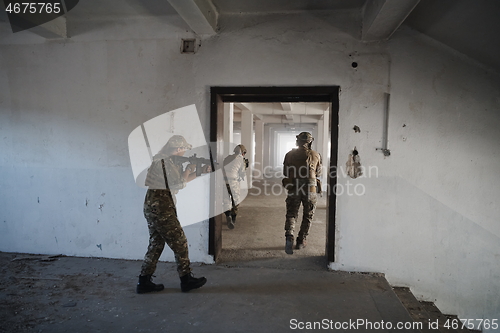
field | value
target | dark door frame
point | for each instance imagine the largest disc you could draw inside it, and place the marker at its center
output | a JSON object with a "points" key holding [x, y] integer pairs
{"points": [[219, 95]]}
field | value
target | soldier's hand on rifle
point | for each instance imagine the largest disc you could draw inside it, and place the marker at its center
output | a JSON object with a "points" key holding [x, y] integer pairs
{"points": [[207, 169], [191, 168], [189, 173]]}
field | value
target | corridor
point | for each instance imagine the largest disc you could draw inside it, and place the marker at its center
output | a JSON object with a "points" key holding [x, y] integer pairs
{"points": [[259, 231]]}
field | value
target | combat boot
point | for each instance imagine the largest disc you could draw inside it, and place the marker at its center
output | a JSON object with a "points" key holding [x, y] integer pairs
{"points": [[145, 285], [300, 243], [289, 244], [229, 220], [189, 282]]}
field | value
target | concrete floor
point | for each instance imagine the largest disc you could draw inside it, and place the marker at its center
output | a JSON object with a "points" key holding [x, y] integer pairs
{"points": [[259, 232], [98, 295], [255, 288]]}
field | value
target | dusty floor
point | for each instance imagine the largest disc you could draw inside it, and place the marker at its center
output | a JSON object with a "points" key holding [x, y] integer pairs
{"points": [[259, 231], [256, 287], [72, 294]]}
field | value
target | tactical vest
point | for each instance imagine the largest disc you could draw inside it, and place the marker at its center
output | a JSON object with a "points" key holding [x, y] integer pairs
{"points": [[302, 163]]}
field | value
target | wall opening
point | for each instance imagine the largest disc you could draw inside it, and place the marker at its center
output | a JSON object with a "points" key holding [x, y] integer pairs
{"points": [[274, 127]]}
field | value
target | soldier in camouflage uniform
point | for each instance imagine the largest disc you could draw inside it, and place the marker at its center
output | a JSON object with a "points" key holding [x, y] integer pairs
{"points": [[164, 179], [234, 171], [301, 167]]}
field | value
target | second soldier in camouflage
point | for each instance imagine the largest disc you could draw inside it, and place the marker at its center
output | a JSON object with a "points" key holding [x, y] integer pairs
{"points": [[301, 167]]}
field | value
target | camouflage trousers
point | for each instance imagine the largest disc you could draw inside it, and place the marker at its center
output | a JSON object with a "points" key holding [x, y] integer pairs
{"points": [[233, 189], [164, 227], [293, 201]]}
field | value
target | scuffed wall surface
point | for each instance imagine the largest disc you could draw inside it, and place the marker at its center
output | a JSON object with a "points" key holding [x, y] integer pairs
{"points": [[450, 155], [66, 110], [427, 218]]}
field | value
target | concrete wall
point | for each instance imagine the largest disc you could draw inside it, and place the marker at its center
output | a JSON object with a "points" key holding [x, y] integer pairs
{"points": [[67, 108], [427, 218]]}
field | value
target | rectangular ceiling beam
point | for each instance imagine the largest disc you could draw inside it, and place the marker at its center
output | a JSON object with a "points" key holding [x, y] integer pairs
{"points": [[56, 28], [243, 106], [258, 116], [273, 119], [381, 18], [317, 112], [200, 15], [286, 106]]}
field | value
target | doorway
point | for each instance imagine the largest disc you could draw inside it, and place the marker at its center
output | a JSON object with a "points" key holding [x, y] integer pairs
{"points": [[284, 96]]}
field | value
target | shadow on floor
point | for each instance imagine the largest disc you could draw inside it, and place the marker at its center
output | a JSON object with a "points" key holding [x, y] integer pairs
{"points": [[259, 230], [75, 295]]}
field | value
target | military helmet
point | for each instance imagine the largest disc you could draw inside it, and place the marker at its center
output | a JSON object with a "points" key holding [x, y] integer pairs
{"points": [[240, 149], [178, 141], [305, 137]]}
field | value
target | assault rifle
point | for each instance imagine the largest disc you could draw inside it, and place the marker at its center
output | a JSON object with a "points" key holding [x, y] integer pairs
{"points": [[198, 161]]}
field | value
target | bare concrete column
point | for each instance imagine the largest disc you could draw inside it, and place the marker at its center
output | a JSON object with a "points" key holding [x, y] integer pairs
{"points": [[259, 148], [247, 140], [319, 143], [325, 131], [228, 128]]}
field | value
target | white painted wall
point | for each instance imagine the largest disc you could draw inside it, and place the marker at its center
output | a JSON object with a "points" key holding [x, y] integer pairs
{"points": [[66, 111], [429, 220]]}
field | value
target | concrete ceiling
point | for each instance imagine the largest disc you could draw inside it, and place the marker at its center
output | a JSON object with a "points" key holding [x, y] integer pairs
{"points": [[283, 113], [283, 6], [471, 27]]}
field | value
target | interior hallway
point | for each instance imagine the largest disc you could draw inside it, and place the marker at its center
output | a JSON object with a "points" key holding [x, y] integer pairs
{"points": [[259, 231]]}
